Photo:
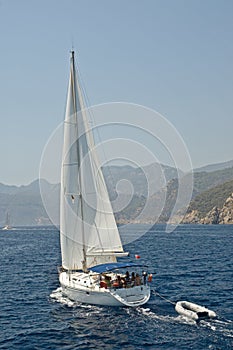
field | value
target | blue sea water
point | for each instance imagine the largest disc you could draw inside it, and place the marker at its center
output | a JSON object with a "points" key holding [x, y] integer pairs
{"points": [[194, 263]]}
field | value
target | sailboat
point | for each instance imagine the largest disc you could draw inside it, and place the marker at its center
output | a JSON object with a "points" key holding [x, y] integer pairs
{"points": [[89, 237], [7, 223]]}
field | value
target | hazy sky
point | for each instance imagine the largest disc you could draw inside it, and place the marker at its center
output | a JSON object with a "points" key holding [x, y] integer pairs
{"points": [[173, 56]]}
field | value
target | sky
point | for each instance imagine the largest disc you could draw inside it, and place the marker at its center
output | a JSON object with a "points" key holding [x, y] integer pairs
{"points": [[173, 56]]}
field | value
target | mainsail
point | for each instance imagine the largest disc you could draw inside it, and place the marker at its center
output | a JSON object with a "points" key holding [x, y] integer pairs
{"points": [[88, 232]]}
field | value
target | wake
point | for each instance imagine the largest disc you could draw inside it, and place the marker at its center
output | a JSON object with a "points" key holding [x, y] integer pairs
{"points": [[223, 326], [57, 296]]}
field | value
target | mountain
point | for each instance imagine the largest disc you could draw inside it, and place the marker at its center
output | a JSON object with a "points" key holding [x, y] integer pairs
{"points": [[213, 167], [23, 203], [206, 180], [212, 206], [202, 183], [215, 196], [128, 189], [141, 181], [8, 189], [139, 195]]}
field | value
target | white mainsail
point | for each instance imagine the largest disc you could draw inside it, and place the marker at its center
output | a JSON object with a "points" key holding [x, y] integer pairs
{"points": [[88, 232]]}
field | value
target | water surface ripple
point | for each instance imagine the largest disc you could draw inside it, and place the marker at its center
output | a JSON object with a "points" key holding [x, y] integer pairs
{"points": [[194, 263]]}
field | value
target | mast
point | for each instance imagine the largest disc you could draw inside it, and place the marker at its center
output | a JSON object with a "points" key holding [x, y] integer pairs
{"points": [[7, 219], [74, 86]]}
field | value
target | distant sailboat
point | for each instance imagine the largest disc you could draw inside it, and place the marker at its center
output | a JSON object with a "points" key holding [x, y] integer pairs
{"points": [[7, 223], [90, 240]]}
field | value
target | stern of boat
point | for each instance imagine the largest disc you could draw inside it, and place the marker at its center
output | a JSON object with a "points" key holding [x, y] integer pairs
{"points": [[133, 297]]}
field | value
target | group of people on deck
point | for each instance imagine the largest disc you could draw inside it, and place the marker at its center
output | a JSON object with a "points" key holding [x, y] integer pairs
{"points": [[122, 281]]}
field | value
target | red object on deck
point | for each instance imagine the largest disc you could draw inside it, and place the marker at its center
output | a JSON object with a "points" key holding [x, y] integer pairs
{"points": [[103, 285], [150, 277]]}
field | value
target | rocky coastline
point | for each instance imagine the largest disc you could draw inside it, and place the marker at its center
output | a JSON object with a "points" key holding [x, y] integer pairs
{"points": [[223, 215]]}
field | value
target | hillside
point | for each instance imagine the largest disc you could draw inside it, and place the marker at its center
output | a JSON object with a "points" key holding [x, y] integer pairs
{"points": [[205, 192], [206, 180], [216, 196], [210, 204]]}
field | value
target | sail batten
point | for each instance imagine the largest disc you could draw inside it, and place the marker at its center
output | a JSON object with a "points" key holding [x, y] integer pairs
{"points": [[87, 223]]}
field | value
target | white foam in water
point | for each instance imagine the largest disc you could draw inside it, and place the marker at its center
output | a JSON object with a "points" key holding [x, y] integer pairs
{"points": [[221, 326], [207, 324], [147, 312], [214, 325], [57, 295], [186, 320]]}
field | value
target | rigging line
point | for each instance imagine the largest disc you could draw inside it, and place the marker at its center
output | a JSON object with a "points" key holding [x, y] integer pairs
{"points": [[89, 113], [92, 120], [162, 297]]}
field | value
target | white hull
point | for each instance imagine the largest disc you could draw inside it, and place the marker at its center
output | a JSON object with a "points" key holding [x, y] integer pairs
{"points": [[84, 288], [7, 228]]}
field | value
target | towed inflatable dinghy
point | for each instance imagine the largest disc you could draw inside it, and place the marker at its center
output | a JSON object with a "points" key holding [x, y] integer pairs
{"points": [[194, 311]]}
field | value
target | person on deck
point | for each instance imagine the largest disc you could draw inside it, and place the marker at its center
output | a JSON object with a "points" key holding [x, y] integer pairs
{"points": [[137, 280], [144, 274], [127, 279], [132, 279]]}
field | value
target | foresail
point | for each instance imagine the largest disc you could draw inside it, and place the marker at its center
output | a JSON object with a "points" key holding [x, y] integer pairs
{"points": [[103, 240], [88, 229]]}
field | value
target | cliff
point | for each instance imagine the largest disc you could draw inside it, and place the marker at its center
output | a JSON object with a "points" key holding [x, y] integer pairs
{"points": [[223, 215]]}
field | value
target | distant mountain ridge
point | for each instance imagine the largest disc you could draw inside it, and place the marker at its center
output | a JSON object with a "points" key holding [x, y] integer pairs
{"points": [[134, 186], [214, 167], [206, 180], [25, 205]]}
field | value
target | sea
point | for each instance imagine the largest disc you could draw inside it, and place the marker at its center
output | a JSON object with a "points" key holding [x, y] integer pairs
{"points": [[193, 263]]}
